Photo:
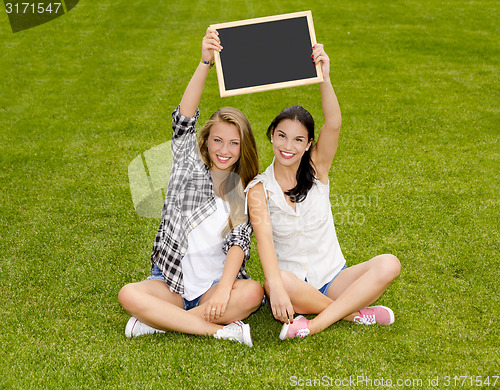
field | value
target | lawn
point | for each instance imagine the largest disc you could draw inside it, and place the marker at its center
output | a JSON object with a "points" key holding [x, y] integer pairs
{"points": [[416, 175]]}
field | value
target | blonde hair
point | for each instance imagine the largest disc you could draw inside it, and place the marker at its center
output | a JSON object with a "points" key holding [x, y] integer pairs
{"points": [[242, 171]]}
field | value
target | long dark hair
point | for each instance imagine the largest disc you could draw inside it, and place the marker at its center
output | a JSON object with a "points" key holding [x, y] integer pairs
{"points": [[306, 173]]}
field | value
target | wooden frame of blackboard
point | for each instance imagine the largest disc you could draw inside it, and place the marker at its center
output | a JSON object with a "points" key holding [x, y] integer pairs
{"points": [[280, 59]]}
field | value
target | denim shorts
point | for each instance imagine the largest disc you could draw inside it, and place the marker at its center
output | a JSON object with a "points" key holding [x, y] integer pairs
{"points": [[157, 275], [324, 290]]}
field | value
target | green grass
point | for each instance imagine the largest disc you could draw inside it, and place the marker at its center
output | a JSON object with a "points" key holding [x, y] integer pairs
{"points": [[416, 175]]}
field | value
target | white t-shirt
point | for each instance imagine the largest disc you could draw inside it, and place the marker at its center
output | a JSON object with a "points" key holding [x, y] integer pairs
{"points": [[305, 240], [204, 260]]}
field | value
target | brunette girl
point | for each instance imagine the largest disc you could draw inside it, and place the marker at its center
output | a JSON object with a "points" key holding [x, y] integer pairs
{"points": [[291, 215]]}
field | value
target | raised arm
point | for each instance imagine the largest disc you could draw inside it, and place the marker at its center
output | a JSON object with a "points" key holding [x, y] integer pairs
{"points": [[259, 215], [192, 94], [326, 146]]}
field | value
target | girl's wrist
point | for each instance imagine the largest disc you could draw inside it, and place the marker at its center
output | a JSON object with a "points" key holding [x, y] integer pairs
{"points": [[326, 78], [275, 283], [224, 287], [210, 63]]}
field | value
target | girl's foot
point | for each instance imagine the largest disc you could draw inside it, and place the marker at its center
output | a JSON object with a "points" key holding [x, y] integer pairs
{"points": [[236, 331], [375, 315], [136, 328], [298, 328]]}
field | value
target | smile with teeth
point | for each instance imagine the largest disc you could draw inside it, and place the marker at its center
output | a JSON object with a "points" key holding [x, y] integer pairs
{"points": [[223, 159], [286, 154]]}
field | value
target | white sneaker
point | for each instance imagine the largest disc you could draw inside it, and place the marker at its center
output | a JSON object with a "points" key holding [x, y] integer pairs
{"points": [[236, 331], [136, 328]]}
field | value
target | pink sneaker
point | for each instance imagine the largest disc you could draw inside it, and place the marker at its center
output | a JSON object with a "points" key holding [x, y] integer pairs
{"points": [[375, 315], [298, 328]]}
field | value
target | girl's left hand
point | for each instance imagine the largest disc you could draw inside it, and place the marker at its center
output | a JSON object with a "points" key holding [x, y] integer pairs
{"points": [[320, 57], [210, 43], [216, 304]]}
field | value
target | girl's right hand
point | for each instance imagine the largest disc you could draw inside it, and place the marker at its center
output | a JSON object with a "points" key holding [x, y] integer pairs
{"points": [[281, 306], [320, 57], [210, 43]]}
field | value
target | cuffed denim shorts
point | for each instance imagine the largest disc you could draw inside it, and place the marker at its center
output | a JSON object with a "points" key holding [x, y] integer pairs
{"points": [[324, 290], [157, 275]]}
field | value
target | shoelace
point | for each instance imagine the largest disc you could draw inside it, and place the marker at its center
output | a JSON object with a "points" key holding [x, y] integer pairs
{"points": [[233, 331], [234, 334], [301, 333], [365, 319]]}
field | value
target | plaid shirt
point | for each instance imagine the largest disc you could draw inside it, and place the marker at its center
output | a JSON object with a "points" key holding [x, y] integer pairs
{"points": [[190, 199]]}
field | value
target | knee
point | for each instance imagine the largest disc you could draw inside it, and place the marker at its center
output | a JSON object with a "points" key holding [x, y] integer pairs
{"points": [[128, 297], [389, 267], [253, 294]]}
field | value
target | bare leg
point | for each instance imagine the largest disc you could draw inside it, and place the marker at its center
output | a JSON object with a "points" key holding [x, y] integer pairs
{"points": [[355, 288], [305, 298], [152, 303], [246, 297]]}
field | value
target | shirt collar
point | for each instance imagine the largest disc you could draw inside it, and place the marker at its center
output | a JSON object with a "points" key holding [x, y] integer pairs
{"points": [[277, 193]]}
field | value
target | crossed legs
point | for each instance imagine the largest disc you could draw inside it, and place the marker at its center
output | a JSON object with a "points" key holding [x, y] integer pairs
{"points": [[152, 303], [354, 288]]}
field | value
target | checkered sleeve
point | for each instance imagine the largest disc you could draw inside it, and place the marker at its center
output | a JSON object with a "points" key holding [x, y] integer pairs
{"points": [[171, 240], [183, 136], [240, 236], [182, 124]]}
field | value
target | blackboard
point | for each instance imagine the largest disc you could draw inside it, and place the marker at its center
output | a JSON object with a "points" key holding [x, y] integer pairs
{"points": [[266, 53]]}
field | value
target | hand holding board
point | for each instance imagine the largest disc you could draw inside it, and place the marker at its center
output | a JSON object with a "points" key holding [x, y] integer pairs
{"points": [[266, 53]]}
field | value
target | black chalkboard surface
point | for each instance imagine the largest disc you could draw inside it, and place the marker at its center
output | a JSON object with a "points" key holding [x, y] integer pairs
{"points": [[266, 53]]}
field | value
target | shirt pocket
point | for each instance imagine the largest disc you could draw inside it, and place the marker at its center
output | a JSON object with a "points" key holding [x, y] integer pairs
{"points": [[197, 191], [317, 215]]}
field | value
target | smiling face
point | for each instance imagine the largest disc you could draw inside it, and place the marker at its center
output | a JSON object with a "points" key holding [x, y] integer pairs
{"points": [[290, 141], [223, 145]]}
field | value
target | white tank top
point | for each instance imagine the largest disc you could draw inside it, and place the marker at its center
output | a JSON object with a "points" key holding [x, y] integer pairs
{"points": [[305, 240], [204, 260]]}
